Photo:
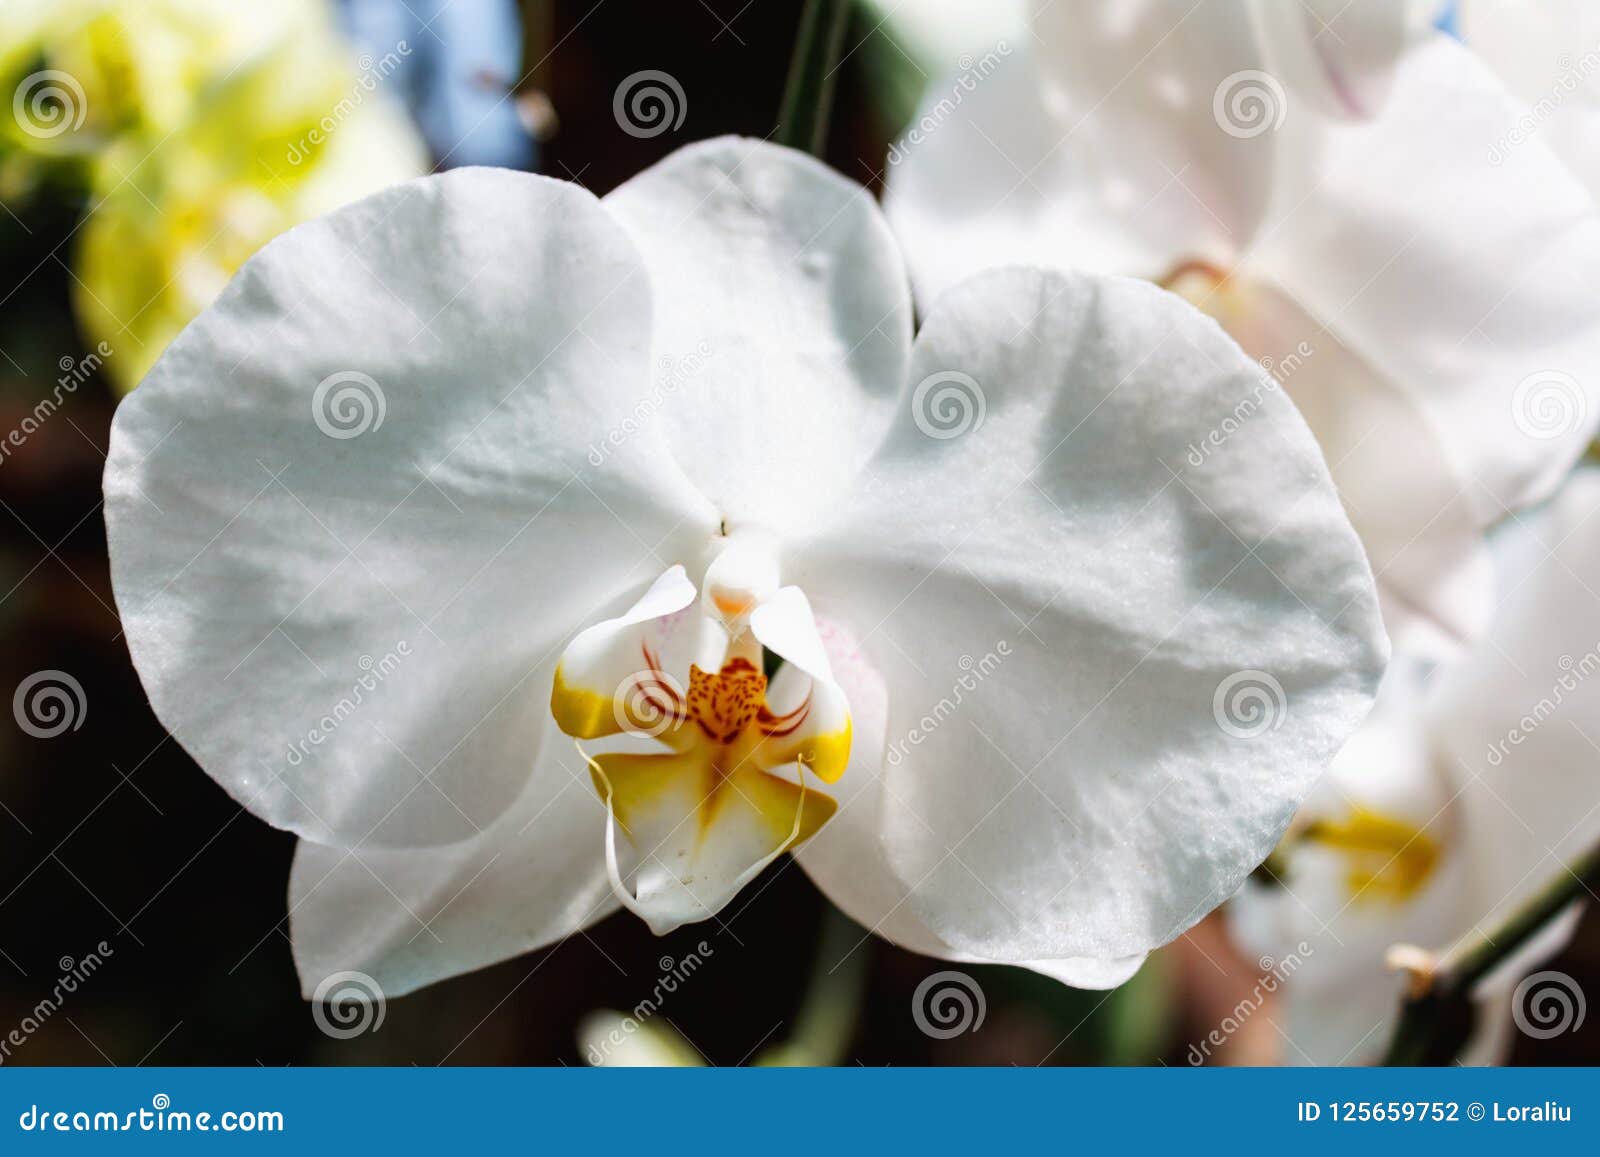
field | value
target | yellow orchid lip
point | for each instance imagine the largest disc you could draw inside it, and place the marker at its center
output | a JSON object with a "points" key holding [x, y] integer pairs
{"points": [[712, 806], [1389, 860], [580, 713]]}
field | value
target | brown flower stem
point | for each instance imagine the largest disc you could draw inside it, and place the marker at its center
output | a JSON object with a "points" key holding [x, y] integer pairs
{"points": [[1436, 1016]]}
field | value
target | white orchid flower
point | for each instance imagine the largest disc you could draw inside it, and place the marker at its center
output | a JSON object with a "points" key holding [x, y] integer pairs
{"points": [[1012, 647], [1430, 312], [1471, 787]]}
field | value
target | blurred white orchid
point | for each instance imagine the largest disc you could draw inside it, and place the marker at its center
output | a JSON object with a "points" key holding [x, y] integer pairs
{"points": [[1469, 789], [429, 419], [1430, 312], [1548, 55]]}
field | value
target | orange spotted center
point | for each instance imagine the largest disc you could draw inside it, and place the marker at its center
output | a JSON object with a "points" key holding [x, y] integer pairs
{"points": [[726, 703], [729, 706]]}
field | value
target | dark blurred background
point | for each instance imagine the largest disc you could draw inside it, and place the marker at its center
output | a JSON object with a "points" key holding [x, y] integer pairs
{"points": [[110, 833]]}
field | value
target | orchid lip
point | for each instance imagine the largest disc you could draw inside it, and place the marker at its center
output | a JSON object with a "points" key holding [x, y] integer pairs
{"points": [[1387, 860], [709, 805]]}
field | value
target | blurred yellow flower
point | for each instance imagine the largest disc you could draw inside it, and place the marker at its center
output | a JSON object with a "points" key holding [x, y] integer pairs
{"points": [[289, 129], [610, 1039], [82, 73]]}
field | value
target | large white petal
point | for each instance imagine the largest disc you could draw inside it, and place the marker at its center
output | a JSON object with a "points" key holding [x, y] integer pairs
{"points": [[1101, 790], [410, 917], [846, 858], [783, 322], [1459, 269], [373, 440]]}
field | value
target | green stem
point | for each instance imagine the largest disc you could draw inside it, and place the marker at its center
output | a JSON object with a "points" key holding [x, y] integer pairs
{"points": [[1436, 1021], [826, 1022], [813, 69]]}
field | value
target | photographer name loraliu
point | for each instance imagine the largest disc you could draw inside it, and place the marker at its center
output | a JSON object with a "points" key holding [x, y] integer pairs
{"points": [[1411, 1109]]}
